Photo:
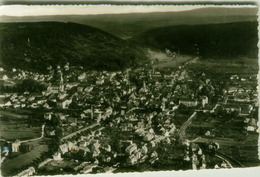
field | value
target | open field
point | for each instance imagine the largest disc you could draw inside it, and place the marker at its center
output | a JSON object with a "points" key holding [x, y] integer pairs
{"points": [[12, 115], [163, 60], [229, 130], [22, 112], [17, 126], [172, 63], [242, 151], [221, 69], [20, 131], [233, 140]]}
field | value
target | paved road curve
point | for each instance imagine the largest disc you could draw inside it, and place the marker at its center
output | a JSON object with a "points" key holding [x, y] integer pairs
{"points": [[185, 125]]}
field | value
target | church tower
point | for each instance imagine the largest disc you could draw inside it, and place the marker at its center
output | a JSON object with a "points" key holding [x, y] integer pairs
{"points": [[61, 87]]}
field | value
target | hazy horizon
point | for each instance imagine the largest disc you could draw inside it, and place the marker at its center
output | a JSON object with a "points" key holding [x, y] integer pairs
{"points": [[36, 10]]}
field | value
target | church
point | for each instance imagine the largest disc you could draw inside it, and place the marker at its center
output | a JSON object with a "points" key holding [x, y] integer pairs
{"points": [[57, 86]]}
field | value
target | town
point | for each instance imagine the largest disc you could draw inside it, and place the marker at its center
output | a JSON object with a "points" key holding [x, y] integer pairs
{"points": [[148, 118]]}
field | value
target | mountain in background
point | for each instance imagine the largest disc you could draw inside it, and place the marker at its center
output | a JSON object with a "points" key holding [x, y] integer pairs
{"points": [[96, 41], [128, 25], [227, 40], [35, 46]]}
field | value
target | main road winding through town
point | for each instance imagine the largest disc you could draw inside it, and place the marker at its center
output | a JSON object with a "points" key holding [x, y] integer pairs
{"points": [[185, 125]]}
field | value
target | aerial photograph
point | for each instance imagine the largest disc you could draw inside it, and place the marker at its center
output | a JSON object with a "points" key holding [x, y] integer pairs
{"points": [[115, 89]]}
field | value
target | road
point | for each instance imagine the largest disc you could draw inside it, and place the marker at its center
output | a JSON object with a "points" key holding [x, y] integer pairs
{"points": [[35, 139], [79, 131], [185, 125]]}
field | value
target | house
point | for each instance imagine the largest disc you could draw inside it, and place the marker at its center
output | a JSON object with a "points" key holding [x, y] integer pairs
{"points": [[186, 158], [46, 105], [16, 146], [61, 96], [194, 147], [109, 111], [195, 160], [8, 104], [99, 115], [148, 137], [251, 125], [131, 148], [95, 148], [107, 147], [229, 99], [64, 104], [88, 89], [82, 76], [232, 89], [154, 157], [51, 133], [100, 82], [250, 128], [133, 159], [72, 147], [232, 107], [144, 149], [57, 156], [126, 126], [234, 77], [17, 105], [98, 133], [54, 88], [31, 98], [88, 168], [28, 172], [188, 102], [207, 133], [242, 97], [123, 144], [223, 164], [123, 110], [81, 87], [83, 144], [69, 85], [205, 101], [33, 105], [5, 77], [246, 109], [48, 115], [63, 148]]}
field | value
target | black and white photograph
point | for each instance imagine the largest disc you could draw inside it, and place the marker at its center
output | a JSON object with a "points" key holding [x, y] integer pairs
{"points": [[114, 88]]}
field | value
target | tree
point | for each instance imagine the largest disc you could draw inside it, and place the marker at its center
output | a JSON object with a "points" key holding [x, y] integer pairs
{"points": [[30, 85]]}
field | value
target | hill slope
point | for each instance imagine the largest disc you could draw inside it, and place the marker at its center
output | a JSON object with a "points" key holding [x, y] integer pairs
{"points": [[36, 45], [128, 25], [212, 40]]}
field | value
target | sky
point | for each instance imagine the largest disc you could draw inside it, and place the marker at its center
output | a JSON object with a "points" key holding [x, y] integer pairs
{"points": [[41, 10]]}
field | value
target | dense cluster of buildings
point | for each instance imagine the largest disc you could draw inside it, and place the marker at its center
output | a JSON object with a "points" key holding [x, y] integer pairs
{"points": [[137, 104]]}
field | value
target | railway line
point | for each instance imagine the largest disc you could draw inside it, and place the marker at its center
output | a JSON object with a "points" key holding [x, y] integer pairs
{"points": [[231, 160]]}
